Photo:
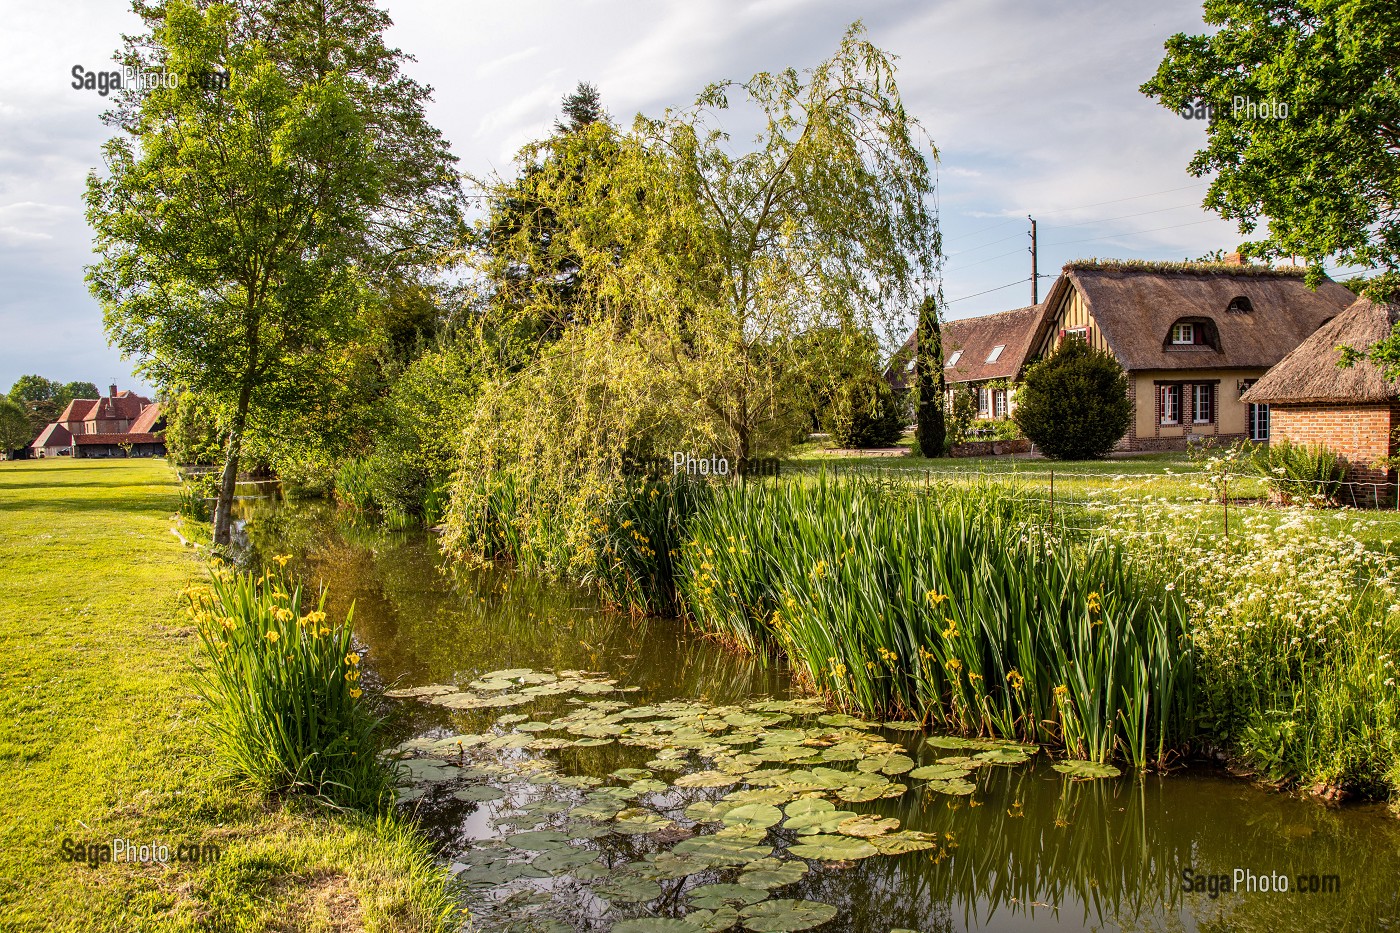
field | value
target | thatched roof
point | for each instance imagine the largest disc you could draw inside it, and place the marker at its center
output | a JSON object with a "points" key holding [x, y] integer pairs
{"points": [[971, 341], [1311, 374], [1134, 305]]}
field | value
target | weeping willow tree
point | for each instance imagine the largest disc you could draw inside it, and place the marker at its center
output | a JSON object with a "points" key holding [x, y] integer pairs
{"points": [[699, 269]]}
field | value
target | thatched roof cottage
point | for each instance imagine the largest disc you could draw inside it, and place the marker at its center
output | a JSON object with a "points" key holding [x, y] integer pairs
{"points": [[1193, 338], [1354, 411], [983, 354]]}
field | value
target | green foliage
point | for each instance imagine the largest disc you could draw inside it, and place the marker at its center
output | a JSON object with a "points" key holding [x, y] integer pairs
{"points": [[1073, 404], [354, 488], [192, 433], [33, 388], [1305, 475], [14, 426], [642, 531], [866, 413], [330, 182], [1332, 66], [948, 606], [930, 388], [418, 430], [993, 429], [715, 260], [282, 684], [962, 415]]}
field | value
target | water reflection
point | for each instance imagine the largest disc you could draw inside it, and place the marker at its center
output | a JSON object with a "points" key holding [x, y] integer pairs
{"points": [[1029, 850]]}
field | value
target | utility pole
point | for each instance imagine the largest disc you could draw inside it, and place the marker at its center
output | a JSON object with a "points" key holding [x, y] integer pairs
{"points": [[1035, 270]]}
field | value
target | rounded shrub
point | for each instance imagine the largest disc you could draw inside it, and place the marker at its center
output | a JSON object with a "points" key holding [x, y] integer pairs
{"points": [[866, 413], [1073, 404]]}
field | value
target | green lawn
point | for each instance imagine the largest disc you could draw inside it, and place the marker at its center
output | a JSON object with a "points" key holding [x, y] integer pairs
{"points": [[100, 737], [1142, 480]]}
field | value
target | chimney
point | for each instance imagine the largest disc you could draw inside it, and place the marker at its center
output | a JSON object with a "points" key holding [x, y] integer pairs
{"points": [[1234, 259], [113, 388]]}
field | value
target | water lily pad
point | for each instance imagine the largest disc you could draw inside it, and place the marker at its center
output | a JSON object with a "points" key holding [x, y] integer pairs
{"points": [[719, 851], [753, 816], [938, 772], [886, 764], [903, 842], [422, 769], [808, 805], [957, 788], [630, 890], [841, 719], [773, 795], [1001, 756], [705, 779], [867, 825], [539, 841], [904, 725], [951, 741], [785, 916], [827, 848], [711, 896], [776, 876], [1086, 770], [479, 793], [817, 821], [401, 693], [561, 861], [638, 822]]}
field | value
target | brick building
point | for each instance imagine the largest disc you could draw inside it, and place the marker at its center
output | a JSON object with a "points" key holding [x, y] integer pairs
{"points": [[1353, 411]]}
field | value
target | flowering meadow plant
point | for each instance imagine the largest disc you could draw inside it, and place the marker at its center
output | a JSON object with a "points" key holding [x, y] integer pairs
{"points": [[282, 683], [1296, 627]]}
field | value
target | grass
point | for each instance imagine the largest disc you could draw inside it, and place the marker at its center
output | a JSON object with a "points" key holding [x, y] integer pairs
{"points": [[100, 738]]}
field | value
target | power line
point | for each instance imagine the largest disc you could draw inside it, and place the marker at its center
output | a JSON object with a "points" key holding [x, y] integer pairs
{"points": [[990, 258], [973, 249], [988, 291], [1136, 197], [1104, 220]]}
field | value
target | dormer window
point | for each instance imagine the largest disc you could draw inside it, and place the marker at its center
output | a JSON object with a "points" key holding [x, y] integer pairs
{"points": [[995, 354], [953, 360], [1183, 333], [1239, 305]]}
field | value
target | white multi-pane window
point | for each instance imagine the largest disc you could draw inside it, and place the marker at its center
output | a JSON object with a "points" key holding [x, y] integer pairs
{"points": [[1169, 404], [999, 403], [1183, 333], [1202, 404]]}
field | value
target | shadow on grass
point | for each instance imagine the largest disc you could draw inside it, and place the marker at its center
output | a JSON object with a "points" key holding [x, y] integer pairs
{"points": [[157, 501]]}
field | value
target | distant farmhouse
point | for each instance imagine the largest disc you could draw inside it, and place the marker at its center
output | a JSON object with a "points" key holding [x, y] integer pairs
{"points": [[1193, 338], [1354, 411], [105, 427]]}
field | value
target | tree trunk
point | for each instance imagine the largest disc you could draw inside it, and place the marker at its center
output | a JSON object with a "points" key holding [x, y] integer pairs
{"points": [[228, 480]]}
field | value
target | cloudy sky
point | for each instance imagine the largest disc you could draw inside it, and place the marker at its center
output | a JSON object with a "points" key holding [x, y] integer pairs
{"points": [[1033, 106]]}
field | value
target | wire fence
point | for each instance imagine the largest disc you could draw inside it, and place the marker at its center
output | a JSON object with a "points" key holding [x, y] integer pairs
{"points": [[1083, 503]]}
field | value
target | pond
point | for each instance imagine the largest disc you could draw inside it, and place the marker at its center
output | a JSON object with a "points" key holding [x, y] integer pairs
{"points": [[583, 770]]}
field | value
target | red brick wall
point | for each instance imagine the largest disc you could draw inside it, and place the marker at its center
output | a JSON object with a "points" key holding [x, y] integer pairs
{"points": [[1361, 433]]}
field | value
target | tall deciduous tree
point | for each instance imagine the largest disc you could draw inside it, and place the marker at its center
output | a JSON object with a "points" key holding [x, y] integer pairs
{"points": [[929, 385], [722, 258], [14, 426], [1325, 174], [239, 228]]}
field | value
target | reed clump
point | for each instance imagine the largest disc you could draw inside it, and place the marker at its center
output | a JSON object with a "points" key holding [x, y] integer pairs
{"points": [[952, 604], [282, 683]]}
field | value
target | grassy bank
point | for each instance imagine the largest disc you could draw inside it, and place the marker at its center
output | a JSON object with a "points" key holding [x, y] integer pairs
{"points": [[101, 739]]}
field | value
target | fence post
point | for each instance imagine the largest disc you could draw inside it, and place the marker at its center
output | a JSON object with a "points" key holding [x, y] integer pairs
{"points": [[1225, 501]]}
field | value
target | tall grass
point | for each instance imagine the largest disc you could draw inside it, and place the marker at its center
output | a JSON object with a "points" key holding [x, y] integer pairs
{"points": [[948, 604], [282, 685]]}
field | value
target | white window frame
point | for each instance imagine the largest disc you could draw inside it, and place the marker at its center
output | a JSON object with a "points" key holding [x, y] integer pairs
{"points": [[953, 360], [1196, 397], [1170, 400], [996, 353], [984, 402], [1257, 421], [1081, 332], [1186, 329], [999, 403]]}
